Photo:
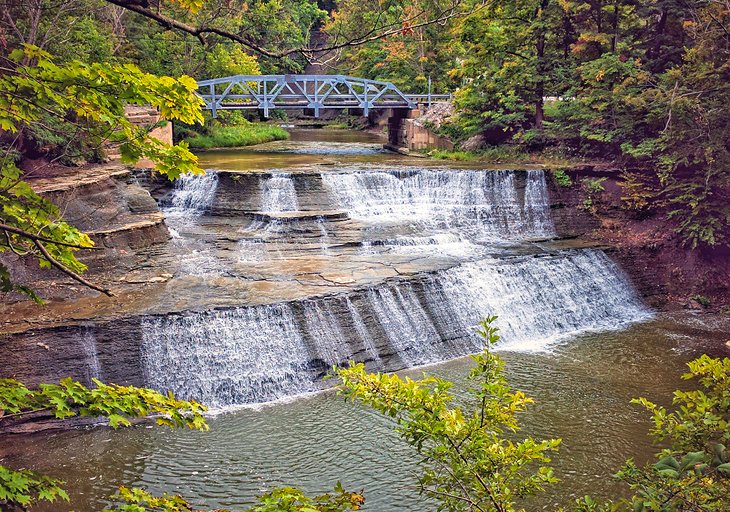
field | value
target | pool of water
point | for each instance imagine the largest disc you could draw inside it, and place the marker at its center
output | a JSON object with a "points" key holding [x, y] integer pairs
{"points": [[582, 389]]}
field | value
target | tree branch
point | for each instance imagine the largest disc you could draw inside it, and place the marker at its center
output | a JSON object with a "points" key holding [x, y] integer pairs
{"points": [[39, 238], [143, 8], [73, 275]]}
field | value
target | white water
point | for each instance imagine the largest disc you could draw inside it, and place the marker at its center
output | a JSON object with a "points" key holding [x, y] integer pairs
{"points": [[278, 194], [91, 353], [486, 204], [228, 357], [192, 197], [262, 353]]}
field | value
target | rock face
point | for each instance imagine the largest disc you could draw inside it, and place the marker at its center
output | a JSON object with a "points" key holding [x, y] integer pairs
{"points": [[667, 273], [120, 216]]}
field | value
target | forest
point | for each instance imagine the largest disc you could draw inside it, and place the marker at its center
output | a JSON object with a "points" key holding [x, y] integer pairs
{"points": [[640, 87]]}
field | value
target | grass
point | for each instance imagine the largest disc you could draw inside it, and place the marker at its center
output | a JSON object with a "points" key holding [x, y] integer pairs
{"points": [[441, 154], [236, 136], [507, 154], [338, 126]]}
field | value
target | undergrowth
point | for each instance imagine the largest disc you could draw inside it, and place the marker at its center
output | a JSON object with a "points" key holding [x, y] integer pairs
{"points": [[236, 136]]}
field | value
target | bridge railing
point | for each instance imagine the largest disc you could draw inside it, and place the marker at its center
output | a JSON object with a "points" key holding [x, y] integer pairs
{"points": [[315, 92]]}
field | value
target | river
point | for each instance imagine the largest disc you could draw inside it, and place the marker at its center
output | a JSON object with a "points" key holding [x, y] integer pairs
{"points": [[576, 336]]}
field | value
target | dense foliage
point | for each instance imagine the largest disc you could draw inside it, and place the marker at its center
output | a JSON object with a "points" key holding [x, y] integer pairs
{"points": [[642, 82], [281, 499]]}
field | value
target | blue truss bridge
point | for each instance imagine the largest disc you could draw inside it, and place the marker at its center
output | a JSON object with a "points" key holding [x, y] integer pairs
{"points": [[314, 92]]}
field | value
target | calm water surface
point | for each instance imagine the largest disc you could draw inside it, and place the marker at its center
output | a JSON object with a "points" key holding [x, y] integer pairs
{"points": [[582, 388]]}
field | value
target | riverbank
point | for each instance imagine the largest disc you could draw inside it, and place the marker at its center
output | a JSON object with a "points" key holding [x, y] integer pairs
{"points": [[248, 134]]}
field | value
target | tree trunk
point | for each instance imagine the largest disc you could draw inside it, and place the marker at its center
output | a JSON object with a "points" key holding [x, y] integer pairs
{"points": [[541, 68], [614, 38]]}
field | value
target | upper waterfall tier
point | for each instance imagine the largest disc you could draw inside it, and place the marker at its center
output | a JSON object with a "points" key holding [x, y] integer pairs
{"points": [[481, 203]]}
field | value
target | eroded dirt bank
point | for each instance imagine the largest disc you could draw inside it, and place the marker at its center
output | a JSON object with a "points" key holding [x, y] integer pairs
{"points": [[668, 274]]}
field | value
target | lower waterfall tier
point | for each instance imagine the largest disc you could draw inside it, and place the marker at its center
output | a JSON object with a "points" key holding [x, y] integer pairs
{"points": [[261, 353]]}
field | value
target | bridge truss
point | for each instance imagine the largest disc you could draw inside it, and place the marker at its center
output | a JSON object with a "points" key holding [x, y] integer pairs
{"points": [[316, 92]]}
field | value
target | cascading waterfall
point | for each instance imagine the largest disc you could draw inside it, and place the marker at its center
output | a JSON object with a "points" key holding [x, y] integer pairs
{"points": [[486, 204], [261, 353], [192, 197], [228, 357]]}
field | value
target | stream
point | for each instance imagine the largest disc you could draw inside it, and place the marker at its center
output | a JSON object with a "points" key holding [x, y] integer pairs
{"points": [[324, 248]]}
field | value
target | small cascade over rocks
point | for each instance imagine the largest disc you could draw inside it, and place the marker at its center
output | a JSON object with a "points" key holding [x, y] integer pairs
{"points": [[193, 195], [91, 353], [261, 353], [243, 355], [278, 194]]}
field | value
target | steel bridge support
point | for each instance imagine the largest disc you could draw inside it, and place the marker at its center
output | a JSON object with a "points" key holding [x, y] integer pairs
{"points": [[315, 92]]}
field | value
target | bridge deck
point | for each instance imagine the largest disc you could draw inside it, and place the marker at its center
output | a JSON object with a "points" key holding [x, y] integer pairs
{"points": [[316, 92]]}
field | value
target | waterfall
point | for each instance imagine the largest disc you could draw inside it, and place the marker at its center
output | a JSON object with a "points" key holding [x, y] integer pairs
{"points": [[243, 355], [193, 195], [487, 204], [362, 330], [324, 237], [278, 194], [539, 299], [91, 354], [261, 353]]}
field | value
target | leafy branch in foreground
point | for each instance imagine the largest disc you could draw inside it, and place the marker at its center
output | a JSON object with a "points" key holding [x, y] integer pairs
{"points": [[693, 473], [467, 463], [20, 489], [87, 100], [117, 403], [281, 499]]}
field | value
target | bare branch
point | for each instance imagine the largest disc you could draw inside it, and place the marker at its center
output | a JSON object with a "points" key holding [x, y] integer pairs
{"points": [[73, 275]]}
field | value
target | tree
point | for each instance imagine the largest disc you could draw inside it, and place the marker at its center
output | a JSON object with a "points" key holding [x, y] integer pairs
{"points": [[83, 105], [408, 57], [511, 61], [468, 462], [202, 19]]}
